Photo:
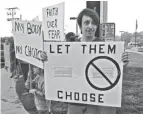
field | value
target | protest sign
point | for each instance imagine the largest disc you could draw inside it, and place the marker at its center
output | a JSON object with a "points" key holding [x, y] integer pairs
{"points": [[28, 41], [84, 72], [53, 23]]}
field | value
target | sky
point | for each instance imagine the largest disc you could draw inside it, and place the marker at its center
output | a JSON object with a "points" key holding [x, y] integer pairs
{"points": [[121, 12]]}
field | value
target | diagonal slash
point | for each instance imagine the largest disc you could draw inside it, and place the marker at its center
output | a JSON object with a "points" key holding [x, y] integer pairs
{"points": [[102, 73]]}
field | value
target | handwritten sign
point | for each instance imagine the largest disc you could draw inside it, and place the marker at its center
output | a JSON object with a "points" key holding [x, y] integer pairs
{"points": [[53, 22], [28, 41], [84, 72]]}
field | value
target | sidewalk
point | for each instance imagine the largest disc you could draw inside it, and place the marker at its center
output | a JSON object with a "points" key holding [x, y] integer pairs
{"points": [[10, 103]]}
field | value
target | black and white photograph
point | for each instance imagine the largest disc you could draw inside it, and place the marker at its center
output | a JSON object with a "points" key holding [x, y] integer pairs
{"points": [[71, 57]]}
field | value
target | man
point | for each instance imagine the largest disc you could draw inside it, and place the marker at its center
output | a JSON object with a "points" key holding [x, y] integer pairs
{"points": [[88, 21], [42, 105], [20, 73]]}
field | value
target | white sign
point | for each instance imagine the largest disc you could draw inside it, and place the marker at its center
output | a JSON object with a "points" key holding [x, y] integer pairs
{"points": [[28, 41], [84, 72], [53, 23]]}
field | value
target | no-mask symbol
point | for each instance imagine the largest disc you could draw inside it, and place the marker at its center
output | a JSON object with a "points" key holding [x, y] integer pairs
{"points": [[103, 75]]}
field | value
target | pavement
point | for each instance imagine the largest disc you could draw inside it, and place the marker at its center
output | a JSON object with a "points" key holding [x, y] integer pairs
{"points": [[10, 103]]}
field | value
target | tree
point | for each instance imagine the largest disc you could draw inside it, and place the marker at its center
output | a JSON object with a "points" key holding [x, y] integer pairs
{"points": [[126, 37], [141, 39], [117, 38]]}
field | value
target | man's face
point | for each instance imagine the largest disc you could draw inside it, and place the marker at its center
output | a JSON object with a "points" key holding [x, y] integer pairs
{"points": [[88, 28], [36, 70]]}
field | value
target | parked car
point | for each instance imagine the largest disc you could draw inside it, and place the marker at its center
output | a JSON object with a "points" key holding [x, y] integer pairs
{"points": [[140, 49]]}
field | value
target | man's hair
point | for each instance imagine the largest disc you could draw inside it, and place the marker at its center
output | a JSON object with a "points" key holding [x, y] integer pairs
{"points": [[88, 12], [70, 36]]}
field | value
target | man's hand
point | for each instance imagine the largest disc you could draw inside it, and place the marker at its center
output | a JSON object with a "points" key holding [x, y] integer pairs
{"points": [[125, 58], [44, 56]]}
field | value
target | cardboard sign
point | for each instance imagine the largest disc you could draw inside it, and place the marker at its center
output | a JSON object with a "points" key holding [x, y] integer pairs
{"points": [[28, 41], [53, 23], [84, 72]]}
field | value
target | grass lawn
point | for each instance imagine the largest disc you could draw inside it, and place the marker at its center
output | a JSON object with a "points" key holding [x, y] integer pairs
{"points": [[132, 92]]}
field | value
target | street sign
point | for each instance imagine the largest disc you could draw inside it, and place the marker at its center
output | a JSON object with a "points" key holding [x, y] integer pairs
{"points": [[84, 72], [11, 19], [107, 31]]}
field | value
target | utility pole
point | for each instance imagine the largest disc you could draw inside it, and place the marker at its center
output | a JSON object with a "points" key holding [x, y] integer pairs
{"points": [[136, 32], [12, 13], [121, 34], [135, 38]]}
